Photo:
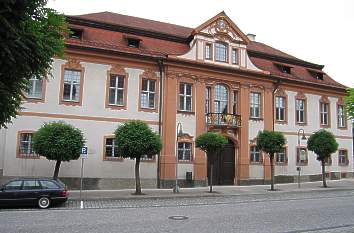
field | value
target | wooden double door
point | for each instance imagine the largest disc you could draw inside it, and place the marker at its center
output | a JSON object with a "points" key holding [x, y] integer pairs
{"points": [[223, 166]]}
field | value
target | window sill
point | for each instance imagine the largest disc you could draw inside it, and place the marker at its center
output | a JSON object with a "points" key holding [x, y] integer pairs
{"points": [[116, 107], [185, 161], [256, 119], [34, 100], [185, 112], [301, 164], [281, 122], [301, 123], [256, 163], [281, 164], [70, 103], [25, 156], [342, 127], [148, 160], [113, 159], [141, 109], [343, 164], [325, 126]]}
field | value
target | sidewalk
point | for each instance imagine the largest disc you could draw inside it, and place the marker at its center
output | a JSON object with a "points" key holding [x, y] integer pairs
{"points": [[343, 184]]}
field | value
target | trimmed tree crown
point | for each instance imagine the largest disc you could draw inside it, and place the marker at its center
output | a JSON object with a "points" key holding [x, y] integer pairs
{"points": [[210, 142], [270, 142], [58, 141], [323, 143], [349, 102], [135, 139]]}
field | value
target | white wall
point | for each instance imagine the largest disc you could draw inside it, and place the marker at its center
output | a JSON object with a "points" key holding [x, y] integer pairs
{"points": [[94, 94]]}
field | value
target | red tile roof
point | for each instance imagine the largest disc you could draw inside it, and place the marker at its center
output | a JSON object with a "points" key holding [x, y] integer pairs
{"points": [[157, 47], [138, 23]]}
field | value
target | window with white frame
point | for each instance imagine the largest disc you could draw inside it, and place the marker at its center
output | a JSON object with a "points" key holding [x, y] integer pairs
{"points": [[234, 56], [280, 108], [324, 113], [221, 52], [280, 157], [185, 97], [26, 145], [235, 103], [111, 149], [341, 116], [343, 157], [255, 155], [255, 105], [300, 111], [35, 88], [148, 92], [116, 90], [184, 151], [221, 99], [207, 99], [301, 156], [208, 51], [72, 79]]}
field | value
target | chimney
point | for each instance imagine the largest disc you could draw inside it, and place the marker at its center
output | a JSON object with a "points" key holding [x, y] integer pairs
{"points": [[252, 37]]}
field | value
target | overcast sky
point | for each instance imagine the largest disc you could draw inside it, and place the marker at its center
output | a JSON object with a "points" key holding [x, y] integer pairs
{"points": [[318, 31]]}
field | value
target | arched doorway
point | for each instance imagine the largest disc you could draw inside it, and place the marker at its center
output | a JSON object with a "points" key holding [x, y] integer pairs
{"points": [[223, 166]]}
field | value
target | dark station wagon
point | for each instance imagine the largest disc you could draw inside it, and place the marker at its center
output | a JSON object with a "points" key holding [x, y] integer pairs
{"points": [[33, 191]]}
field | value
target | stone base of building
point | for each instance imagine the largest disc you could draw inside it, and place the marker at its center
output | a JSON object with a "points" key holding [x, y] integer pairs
{"points": [[303, 178], [73, 183], [183, 183]]}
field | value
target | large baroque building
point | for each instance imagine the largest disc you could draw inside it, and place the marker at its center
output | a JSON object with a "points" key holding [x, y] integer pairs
{"points": [[210, 78]]}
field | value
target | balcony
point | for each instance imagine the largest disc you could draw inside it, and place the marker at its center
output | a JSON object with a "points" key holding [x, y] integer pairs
{"points": [[223, 120]]}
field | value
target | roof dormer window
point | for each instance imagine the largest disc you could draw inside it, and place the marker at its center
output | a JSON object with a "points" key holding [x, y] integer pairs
{"points": [[75, 33], [133, 42], [319, 76], [284, 68], [316, 74], [221, 52]]}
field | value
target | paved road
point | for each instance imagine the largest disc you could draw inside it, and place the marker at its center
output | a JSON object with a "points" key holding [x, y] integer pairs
{"points": [[330, 211]]}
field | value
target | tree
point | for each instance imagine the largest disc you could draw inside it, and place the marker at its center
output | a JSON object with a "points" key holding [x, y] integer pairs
{"points": [[323, 144], [30, 36], [271, 142], [210, 143], [349, 102], [135, 139], [58, 141]]}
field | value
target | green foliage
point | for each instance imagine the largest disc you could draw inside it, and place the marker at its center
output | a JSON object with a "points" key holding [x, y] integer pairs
{"points": [[270, 142], [58, 141], [322, 143], [210, 142], [135, 139], [349, 102], [30, 36]]}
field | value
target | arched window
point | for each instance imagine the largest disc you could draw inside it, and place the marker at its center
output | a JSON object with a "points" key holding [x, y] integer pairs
{"points": [[221, 99], [221, 52]]}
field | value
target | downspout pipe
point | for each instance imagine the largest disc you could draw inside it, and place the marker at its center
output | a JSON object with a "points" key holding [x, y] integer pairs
{"points": [[276, 86], [158, 171]]}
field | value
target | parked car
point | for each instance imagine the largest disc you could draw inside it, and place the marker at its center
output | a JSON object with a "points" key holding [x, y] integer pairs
{"points": [[42, 192]]}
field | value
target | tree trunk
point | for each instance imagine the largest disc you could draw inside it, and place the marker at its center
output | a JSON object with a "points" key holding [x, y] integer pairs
{"points": [[271, 157], [211, 178], [56, 170], [323, 174], [137, 177]]}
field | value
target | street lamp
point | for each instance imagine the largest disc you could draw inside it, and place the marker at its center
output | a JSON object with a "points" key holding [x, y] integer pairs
{"points": [[179, 134], [300, 153]]}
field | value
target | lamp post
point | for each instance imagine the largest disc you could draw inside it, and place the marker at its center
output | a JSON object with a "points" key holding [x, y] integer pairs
{"points": [[179, 134], [298, 143]]}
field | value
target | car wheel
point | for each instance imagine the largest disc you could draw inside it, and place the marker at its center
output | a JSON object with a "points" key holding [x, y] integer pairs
{"points": [[43, 202]]}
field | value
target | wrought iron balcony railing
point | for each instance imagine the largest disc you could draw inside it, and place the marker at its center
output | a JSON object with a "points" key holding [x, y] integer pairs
{"points": [[223, 119]]}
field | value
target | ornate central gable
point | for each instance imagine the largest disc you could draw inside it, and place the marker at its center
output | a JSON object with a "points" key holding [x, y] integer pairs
{"points": [[222, 28]]}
